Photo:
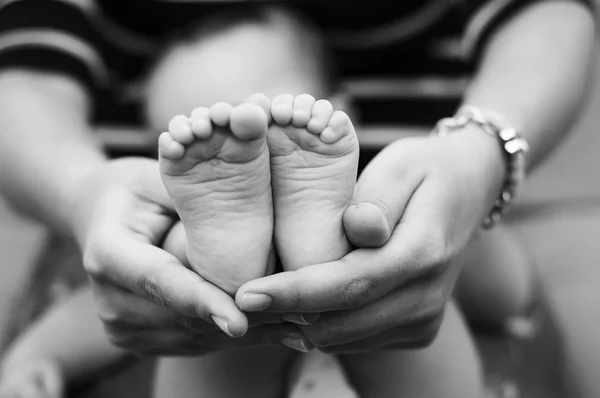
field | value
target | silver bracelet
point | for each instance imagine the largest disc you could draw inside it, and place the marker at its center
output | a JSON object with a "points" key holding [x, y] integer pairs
{"points": [[513, 146]]}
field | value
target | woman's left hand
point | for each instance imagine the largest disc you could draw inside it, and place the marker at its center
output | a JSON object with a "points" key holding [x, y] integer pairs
{"points": [[428, 195]]}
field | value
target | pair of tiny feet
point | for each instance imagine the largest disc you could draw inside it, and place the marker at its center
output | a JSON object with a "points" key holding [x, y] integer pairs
{"points": [[243, 177]]}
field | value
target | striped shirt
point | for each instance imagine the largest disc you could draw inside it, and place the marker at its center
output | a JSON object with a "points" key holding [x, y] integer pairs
{"points": [[405, 63]]}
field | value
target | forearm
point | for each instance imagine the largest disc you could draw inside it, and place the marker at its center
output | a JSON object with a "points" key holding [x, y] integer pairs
{"points": [[535, 72], [71, 335], [46, 144]]}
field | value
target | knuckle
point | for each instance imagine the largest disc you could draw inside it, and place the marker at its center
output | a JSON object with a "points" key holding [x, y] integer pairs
{"points": [[111, 318], [111, 315], [294, 300], [358, 291], [148, 285], [98, 255], [92, 264], [114, 323], [433, 253]]}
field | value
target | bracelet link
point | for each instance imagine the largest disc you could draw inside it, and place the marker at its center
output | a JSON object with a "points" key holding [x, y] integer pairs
{"points": [[514, 147]]}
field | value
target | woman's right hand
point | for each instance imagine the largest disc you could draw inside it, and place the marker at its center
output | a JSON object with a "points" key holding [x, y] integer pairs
{"points": [[148, 300]]}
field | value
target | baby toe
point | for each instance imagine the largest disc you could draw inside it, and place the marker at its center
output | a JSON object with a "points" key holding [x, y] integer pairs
{"points": [[248, 121], [181, 129], [282, 108], [302, 109], [220, 113], [321, 113], [201, 123], [338, 126], [169, 148], [261, 100]]}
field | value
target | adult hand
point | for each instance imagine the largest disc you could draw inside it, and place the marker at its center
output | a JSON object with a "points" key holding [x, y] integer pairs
{"points": [[148, 300], [427, 195]]}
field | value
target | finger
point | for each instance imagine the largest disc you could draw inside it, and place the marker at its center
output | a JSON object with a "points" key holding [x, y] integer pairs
{"points": [[272, 335], [380, 197], [418, 247], [418, 334], [413, 304], [125, 310], [124, 256], [358, 279], [161, 343], [263, 318], [176, 243]]}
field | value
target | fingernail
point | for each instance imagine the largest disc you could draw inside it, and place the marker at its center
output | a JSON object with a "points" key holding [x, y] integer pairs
{"points": [[222, 324], [295, 343], [256, 302]]}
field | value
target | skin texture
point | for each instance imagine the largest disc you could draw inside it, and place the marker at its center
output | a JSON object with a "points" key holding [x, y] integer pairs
{"points": [[439, 201], [314, 160], [215, 167], [406, 282]]}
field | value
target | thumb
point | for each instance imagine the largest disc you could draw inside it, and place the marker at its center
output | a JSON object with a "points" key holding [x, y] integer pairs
{"points": [[380, 197]]}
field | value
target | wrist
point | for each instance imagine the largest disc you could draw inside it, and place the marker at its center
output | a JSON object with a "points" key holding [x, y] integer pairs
{"points": [[487, 163], [80, 188], [514, 149]]}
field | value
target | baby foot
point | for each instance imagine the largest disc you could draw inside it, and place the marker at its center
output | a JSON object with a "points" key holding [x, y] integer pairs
{"points": [[215, 167], [314, 160]]}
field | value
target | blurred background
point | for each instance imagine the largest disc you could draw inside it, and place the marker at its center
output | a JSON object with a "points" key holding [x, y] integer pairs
{"points": [[565, 191]]}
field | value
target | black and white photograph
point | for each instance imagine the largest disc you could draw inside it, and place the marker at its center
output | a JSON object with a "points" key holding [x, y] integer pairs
{"points": [[299, 199]]}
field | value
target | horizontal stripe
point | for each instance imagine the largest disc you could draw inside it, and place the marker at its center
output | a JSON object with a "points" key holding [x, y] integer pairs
{"points": [[402, 64], [480, 21], [121, 37], [373, 110], [42, 59], [83, 4], [139, 140], [447, 48], [417, 112], [59, 41], [490, 17], [56, 15], [206, 1], [398, 30], [418, 87]]}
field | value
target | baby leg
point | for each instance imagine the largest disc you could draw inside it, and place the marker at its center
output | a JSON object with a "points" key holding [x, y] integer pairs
{"points": [[252, 372], [497, 281], [268, 50], [448, 368]]}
